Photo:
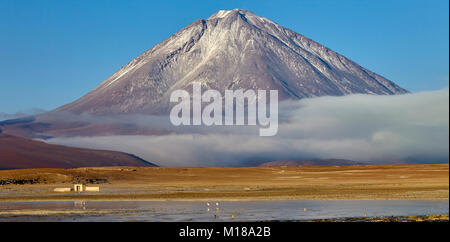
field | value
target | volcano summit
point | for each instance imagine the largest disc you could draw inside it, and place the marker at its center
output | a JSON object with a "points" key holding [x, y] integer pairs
{"points": [[230, 50]]}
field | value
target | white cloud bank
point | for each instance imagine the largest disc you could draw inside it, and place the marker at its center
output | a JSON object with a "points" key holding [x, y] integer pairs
{"points": [[409, 127]]}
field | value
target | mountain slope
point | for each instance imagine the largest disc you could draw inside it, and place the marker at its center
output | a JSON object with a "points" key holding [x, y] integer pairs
{"points": [[20, 153], [230, 50]]}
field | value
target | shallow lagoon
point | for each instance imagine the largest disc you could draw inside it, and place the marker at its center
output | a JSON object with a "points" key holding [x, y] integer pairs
{"points": [[273, 210]]}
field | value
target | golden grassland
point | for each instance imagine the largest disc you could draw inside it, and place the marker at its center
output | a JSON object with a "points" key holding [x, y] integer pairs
{"points": [[247, 183]]}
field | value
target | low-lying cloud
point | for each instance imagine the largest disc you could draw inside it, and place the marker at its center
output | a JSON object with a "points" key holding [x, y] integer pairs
{"points": [[21, 114], [409, 127]]}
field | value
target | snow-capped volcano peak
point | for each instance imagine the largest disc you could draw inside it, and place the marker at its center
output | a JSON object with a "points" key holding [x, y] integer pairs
{"points": [[246, 14], [225, 13], [221, 14], [233, 49]]}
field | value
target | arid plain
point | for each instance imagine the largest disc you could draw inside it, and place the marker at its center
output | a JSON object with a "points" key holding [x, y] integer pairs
{"points": [[250, 183]]}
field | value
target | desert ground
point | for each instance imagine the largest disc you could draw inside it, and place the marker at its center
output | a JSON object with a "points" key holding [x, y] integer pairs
{"points": [[249, 183], [424, 218]]}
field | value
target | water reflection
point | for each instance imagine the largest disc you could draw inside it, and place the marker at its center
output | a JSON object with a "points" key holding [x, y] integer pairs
{"points": [[214, 210]]}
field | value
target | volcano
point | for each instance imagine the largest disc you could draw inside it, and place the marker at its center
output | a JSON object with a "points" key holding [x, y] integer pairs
{"points": [[230, 50]]}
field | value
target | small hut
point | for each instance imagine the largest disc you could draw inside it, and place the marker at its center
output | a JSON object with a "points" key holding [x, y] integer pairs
{"points": [[78, 187]]}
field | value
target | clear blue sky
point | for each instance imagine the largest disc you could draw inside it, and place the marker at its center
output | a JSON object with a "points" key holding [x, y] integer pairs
{"points": [[54, 51]]}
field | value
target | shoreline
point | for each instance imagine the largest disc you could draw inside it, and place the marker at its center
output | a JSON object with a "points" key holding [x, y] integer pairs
{"points": [[443, 218], [213, 199]]}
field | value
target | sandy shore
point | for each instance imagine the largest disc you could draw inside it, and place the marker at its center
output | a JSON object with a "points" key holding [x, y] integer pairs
{"points": [[252, 183], [424, 218]]}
